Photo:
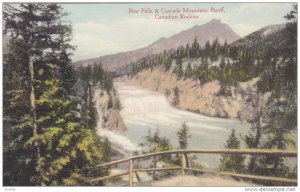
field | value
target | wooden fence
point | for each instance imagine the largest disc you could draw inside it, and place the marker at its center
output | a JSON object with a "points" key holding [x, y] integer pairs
{"points": [[185, 166]]}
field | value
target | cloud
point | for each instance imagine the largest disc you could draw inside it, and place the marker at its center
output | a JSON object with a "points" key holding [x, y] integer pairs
{"points": [[95, 39], [146, 30], [89, 46], [90, 39], [106, 29]]}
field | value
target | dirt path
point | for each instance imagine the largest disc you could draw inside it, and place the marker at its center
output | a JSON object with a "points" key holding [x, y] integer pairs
{"points": [[204, 180]]}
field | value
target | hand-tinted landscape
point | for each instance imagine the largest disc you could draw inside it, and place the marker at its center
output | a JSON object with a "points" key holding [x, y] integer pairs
{"points": [[202, 106]]}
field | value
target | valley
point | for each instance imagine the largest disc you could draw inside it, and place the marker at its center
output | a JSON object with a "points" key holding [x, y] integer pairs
{"points": [[200, 99], [212, 87]]}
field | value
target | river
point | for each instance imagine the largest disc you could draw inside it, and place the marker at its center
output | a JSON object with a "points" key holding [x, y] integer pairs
{"points": [[144, 110]]}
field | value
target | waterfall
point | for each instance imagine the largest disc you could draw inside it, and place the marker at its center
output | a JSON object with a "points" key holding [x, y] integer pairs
{"points": [[138, 103], [119, 142], [144, 110]]}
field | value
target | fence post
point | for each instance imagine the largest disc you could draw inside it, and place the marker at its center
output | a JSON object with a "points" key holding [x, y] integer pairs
{"points": [[183, 163], [131, 173]]}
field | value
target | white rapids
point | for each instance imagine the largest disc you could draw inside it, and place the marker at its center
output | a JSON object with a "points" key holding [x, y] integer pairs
{"points": [[144, 110]]}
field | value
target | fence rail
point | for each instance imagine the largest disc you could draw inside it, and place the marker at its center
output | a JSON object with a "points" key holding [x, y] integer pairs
{"points": [[185, 166]]}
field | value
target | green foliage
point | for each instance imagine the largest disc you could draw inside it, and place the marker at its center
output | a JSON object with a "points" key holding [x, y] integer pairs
{"points": [[188, 70], [155, 143], [93, 77], [107, 150], [70, 150], [178, 70], [195, 48], [279, 119], [44, 141], [233, 163], [241, 67], [18, 163], [291, 25], [183, 136], [176, 94], [273, 60]]}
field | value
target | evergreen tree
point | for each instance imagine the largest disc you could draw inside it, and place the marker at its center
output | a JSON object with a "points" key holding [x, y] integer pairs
{"points": [[179, 69], [207, 48], [18, 164], [176, 93], [92, 113], [156, 143], [107, 150], [183, 136], [188, 50], [215, 47], [233, 163], [91, 78], [279, 119], [189, 70], [195, 48], [51, 140]]}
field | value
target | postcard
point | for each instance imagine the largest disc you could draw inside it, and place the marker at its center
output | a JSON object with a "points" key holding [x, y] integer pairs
{"points": [[150, 94]]}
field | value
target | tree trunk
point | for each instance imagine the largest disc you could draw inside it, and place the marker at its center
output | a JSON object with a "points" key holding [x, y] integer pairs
{"points": [[257, 120], [34, 117], [255, 145], [32, 59], [280, 145]]}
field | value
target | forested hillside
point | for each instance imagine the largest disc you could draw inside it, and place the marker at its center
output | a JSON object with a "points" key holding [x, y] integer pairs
{"points": [[48, 126], [53, 109], [208, 31], [260, 68]]}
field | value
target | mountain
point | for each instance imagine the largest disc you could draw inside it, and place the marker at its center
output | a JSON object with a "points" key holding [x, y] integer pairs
{"points": [[271, 35], [206, 32]]}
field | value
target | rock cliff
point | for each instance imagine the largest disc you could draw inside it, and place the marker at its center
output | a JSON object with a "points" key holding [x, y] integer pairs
{"points": [[202, 98], [108, 111]]}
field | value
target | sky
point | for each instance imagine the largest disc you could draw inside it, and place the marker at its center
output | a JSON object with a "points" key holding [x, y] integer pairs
{"points": [[107, 28]]}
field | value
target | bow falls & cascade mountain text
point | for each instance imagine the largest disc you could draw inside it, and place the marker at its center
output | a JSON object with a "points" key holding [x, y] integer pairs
{"points": [[184, 13]]}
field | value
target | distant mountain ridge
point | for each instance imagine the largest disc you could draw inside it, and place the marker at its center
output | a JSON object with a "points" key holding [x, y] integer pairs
{"points": [[206, 32], [274, 35]]}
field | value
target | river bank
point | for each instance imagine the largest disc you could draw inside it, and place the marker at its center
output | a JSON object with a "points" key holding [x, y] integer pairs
{"points": [[201, 98], [144, 110]]}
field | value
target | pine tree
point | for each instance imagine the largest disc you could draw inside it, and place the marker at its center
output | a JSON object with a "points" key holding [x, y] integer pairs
{"points": [[62, 152], [188, 50], [279, 119], [88, 82], [188, 70], [18, 161], [215, 47], [156, 143], [195, 48], [232, 163], [183, 136], [207, 48], [92, 113], [176, 93]]}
